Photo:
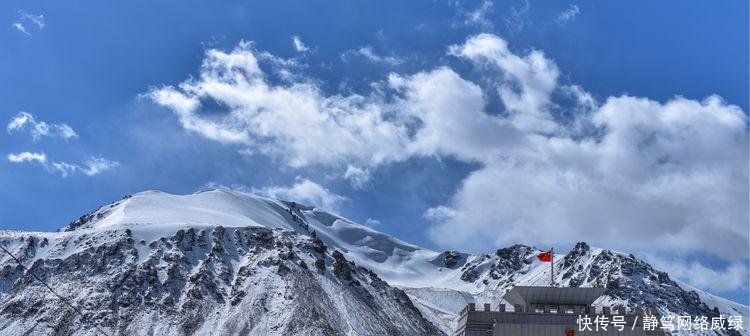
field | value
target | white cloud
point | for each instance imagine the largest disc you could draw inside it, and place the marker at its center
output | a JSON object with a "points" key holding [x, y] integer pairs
{"points": [[24, 121], [479, 15], [371, 222], [358, 177], [730, 278], [35, 20], [95, 165], [439, 214], [298, 45], [20, 27], [306, 192], [92, 166], [630, 169], [655, 172], [370, 55], [568, 15], [295, 121], [619, 173], [28, 157], [449, 111], [63, 168], [285, 69], [516, 20], [525, 83]]}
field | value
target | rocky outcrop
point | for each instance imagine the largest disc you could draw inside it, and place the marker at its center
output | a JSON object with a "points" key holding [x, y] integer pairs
{"points": [[220, 281]]}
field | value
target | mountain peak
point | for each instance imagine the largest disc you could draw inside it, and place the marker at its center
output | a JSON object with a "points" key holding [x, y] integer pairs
{"points": [[154, 231], [207, 207]]}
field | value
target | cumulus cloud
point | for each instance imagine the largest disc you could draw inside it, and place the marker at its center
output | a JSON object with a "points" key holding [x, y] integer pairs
{"points": [[304, 191], [568, 15], [295, 121], [358, 177], [24, 121], [298, 45], [90, 167], [642, 169], [439, 214], [617, 173], [371, 56], [524, 83]]}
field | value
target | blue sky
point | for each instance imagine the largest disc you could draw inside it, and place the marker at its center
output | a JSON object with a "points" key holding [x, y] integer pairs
{"points": [[453, 125]]}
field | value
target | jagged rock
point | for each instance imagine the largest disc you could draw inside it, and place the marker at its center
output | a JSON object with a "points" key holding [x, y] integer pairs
{"points": [[451, 258], [190, 287], [320, 265], [341, 266], [317, 245]]}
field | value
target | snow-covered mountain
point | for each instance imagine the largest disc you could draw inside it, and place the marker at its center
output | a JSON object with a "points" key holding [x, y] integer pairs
{"points": [[225, 262]]}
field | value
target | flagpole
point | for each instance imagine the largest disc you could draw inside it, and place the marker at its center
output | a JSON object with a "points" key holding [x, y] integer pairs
{"points": [[552, 268]]}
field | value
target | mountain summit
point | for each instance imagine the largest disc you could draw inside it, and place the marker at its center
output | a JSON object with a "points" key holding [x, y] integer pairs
{"points": [[224, 262]]}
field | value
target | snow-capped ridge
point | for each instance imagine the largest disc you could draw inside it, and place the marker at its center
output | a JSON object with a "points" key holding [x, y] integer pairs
{"points": [[198, 281], [154, 231], [152, 214]]}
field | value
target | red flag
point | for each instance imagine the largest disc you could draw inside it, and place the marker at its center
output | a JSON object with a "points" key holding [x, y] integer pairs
{"points": [[545, 256]]}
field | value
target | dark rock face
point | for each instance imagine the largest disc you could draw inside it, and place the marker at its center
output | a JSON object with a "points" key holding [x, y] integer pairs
{"points": [[470, 274], [631, 281], [214, 280], [451, 258], [500, 267], [341, 267], [511, 259], [317, 245]]}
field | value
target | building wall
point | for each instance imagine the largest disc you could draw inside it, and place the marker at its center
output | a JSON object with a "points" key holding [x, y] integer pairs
{"points": [[484, 323], [557, 330]]}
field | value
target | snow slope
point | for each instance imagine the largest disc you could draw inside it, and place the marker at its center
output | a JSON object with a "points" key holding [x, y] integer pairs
{"points": [[178, 243], [212, 263], [149, 214]]}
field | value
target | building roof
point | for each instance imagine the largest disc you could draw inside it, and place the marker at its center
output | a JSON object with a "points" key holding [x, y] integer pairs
{"points": [[528, 295]]}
